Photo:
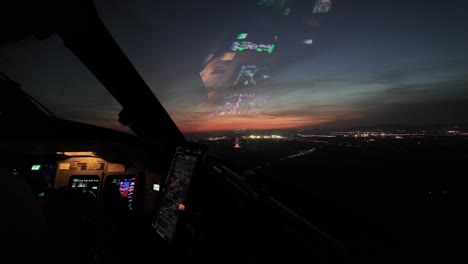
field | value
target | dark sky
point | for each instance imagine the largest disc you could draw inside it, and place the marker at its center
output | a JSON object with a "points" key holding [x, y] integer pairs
{"points": [[371, 62]]}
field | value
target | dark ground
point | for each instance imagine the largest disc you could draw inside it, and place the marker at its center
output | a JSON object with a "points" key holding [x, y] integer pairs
{"points": [[390, 200], [393, 198]]}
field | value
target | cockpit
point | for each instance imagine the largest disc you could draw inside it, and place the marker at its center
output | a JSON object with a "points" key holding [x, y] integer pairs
{"points": [[142, 152]]}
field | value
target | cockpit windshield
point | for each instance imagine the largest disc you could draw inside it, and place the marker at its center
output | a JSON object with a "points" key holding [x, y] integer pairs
{"points": [[269, 66], [266, 66]]}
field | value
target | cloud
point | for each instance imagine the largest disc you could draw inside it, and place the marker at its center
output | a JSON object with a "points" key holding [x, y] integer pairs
{"points": [[419, 103], [402, 73], [436, 90], [428, 112]]}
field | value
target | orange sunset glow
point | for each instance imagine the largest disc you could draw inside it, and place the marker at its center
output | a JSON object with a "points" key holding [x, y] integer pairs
{"points": [[198, 122]]}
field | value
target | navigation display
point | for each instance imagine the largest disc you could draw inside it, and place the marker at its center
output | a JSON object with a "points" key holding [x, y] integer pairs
{"points": [[175, 192], [89, 183], [126, 186]]}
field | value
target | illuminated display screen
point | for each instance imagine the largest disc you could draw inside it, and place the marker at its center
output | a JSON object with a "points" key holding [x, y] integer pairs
{"points": [[126, 186], [177, 185], [156, 187], [43, 175], [88, 183]]}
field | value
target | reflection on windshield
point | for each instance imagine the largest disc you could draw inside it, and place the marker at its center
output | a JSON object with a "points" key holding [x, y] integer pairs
{"points": [[273, 65], [268, 64], [322, 6]]}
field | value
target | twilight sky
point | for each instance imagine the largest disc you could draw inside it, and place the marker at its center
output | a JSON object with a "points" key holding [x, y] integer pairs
{"points": [[371, 62]]}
